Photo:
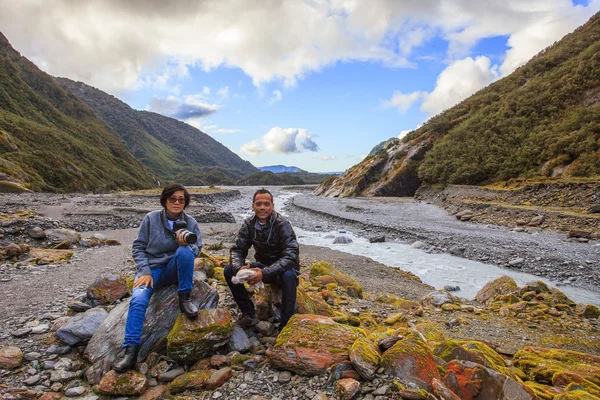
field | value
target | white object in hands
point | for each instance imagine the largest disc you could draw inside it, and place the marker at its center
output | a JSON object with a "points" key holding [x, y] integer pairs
{"points": [[243, 276]]}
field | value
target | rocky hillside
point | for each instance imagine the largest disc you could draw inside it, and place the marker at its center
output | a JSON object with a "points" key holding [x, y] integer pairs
{"points": [[542, 120], [52, 141], [164, 144]]}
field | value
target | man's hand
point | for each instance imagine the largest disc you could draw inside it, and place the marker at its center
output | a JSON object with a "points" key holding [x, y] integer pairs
{"points": [[180, 240], [257, 276], [144, 280]]}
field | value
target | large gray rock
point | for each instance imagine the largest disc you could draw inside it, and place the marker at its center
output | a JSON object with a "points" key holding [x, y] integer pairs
{"points": [[63, 235], [239, 340], [81, 327], [162, 312]]}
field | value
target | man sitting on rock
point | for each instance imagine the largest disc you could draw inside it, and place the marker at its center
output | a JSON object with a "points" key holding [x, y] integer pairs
{"points": [[276, 253]]}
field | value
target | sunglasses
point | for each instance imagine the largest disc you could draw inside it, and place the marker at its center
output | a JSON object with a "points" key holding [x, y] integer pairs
{"points": [[173, 200]]}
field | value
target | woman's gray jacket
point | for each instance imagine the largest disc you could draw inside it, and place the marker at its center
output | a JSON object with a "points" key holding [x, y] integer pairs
{"points": [[156, 242]]}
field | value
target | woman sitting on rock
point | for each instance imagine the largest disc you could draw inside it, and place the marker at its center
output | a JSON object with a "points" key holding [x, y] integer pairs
{"points": [[162, 257]]}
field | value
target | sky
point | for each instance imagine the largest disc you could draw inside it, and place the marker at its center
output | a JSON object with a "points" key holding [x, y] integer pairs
{"points": [[309, 83]]}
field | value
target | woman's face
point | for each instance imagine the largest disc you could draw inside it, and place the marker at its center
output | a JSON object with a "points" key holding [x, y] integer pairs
{"points": [[176, 203]]}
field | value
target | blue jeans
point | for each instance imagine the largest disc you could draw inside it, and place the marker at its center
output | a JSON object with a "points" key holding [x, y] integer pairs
{"points": [[179, 270]]}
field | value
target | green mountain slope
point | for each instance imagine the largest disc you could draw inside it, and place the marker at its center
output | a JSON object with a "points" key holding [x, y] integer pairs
{"points": [[51, 141], [542, 120], [164, 144]]}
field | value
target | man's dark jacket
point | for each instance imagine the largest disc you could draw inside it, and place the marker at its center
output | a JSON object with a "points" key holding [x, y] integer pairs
{"points": [[275, 245]]}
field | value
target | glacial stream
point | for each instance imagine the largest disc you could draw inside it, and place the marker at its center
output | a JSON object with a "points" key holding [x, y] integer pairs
{"points": [[436, 270]]}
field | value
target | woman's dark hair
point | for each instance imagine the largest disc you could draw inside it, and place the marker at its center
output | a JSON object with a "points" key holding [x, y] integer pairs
{"points": [[172, 188]]}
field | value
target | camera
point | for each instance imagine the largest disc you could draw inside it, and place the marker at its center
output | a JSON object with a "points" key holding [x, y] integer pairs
{"points": [[180, 227]]}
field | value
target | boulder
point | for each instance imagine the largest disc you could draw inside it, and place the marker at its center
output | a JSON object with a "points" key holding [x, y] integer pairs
{"points": [[438, 298], [442, 391], [194, 380], [472, 381], [377, 239], [588, 311], [365, 358], [342, 240], [312, 303], [411, 361], [594, 209], [537, 220], [12, 250], [347, 389], [107, 289], [62, 235], [162, 312], [474, 351], [239, 340], [80, 328], [10, 357], [156, 393], [36, 233], [130, 383], [321, 268], [499, 286], [540, 364], [193, 339], [579, 234], [309, 344]]}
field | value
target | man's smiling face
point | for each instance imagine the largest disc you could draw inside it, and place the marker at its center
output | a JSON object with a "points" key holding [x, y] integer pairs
{"points": [[263, 207]]}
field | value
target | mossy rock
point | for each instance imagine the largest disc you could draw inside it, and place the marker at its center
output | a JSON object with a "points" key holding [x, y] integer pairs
{"points": [[475, 351], [205, 264], [195, 380], [193, 339], [575, 395], [431, 331], [312, 303], [411, 361], [365, 358], [500, 286], [393, 300], [130, 383], [310, 344], [218, 275], [540, 364], [544, 392], [588, 311], [321, 268]]}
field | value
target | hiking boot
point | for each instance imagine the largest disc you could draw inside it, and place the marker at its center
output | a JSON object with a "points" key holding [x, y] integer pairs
{"points": [[245, 321], [126, 359], [186, 306]]}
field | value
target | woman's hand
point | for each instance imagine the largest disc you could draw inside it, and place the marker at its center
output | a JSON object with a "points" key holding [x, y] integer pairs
{"points": [[180, 240], [144, 280]]}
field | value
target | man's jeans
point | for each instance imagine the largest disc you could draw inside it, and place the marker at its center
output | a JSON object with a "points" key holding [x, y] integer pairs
{"points": [[287, 280], [179, 270]]}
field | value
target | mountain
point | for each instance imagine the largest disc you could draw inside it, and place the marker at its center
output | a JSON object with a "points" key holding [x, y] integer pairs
{"points": [[268, 178], [542, 120], [166, 145], [52, 141], [280, 168]]}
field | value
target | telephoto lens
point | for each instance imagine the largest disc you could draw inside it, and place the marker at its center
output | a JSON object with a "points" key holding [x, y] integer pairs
{"points": [[180, 227]]}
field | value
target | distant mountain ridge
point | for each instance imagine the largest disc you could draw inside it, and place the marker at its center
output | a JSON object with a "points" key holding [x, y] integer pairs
{"points": [[168, 146], [280, 168], [543, 120], [52, 141]]}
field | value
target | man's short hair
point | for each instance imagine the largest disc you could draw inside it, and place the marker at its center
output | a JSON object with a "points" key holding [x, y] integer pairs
{"points": [[262, 191], [172, 188]]}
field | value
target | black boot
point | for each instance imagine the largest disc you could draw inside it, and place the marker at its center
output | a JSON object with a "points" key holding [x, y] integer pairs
{"points": [[127, 359], [186, 306]]}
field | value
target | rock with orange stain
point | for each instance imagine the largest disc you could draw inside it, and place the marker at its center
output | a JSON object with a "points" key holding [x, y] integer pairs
{"points": [[411, 361], [131, 383], [347, 389], [309, 344], [472, 381]]}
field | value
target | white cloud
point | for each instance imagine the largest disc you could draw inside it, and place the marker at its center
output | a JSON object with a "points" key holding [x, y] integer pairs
{"points": [[253, 148], [324, 158], [277, 96], [116, 45], [223, 93], [282, 141], [206, 91], [222, 131], [190, 107], [403, 101], [458, 81], [403, 133]]}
